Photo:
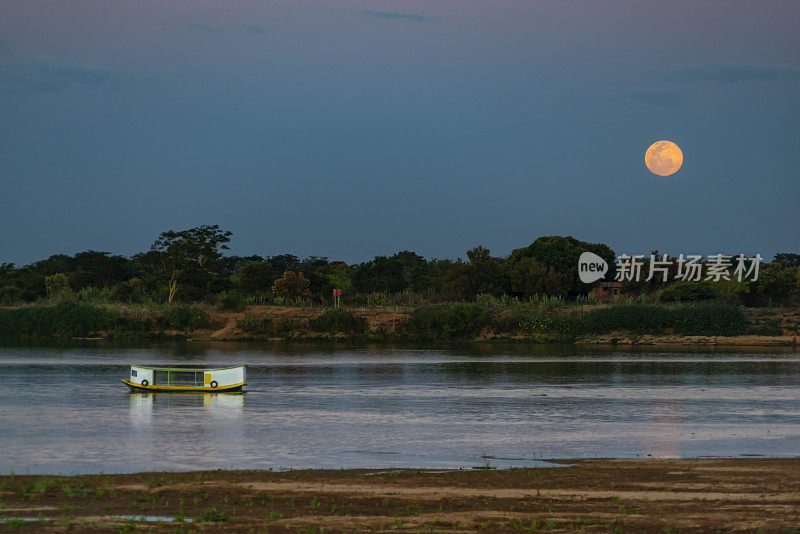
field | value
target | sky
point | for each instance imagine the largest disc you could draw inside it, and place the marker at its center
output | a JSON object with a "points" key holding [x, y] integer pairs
{"points": [[350, 129]]}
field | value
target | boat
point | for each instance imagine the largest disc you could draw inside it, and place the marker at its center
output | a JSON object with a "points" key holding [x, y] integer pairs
{"points": [[186, 380]]}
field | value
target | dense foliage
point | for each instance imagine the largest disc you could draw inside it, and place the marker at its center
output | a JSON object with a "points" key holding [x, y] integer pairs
{"points": [[188, 266], [336, 320], [67, 319], [701, 319], [447, 321]]}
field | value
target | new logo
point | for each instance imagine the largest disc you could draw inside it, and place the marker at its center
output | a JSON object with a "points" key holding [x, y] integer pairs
{"points": [[591, 267]]}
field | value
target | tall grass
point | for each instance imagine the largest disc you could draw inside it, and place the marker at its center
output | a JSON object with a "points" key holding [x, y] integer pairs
{"points": [[447, 321], [68, 319], [703, 319]]}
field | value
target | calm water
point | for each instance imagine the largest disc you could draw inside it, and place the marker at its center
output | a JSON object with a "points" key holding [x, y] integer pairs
{"points": [[64, 409]]}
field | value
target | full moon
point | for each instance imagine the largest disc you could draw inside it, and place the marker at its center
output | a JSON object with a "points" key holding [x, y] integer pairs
{"points": [[663, 158]]}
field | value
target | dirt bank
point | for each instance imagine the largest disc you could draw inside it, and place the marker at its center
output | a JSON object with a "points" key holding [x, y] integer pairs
{"points": [[733, 495]]}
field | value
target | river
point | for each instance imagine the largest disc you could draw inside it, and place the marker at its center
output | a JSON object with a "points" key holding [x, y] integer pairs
{"points": [[63, 409]]}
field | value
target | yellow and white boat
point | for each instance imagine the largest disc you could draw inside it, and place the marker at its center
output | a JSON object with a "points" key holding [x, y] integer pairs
{"points": [[178, 380]]}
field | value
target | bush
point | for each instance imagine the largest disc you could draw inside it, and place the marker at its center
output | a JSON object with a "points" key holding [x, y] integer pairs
{"points": [[129, 291], [686, 291], [771, 327], [255, 325], [230, 301], [185, 318], [448, 321], [534, 322], [212, 515], [57, 285], [93, 294], [635, 317], [336, 320], [68, 319], [10, 295], [710, 320], [702, 319]]}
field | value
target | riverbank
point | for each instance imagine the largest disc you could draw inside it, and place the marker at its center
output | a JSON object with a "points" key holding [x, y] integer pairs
{"points": [[631, 324], [693, 495]]}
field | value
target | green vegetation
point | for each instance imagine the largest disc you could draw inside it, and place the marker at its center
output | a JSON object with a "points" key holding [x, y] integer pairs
{"points": [[185, 317], [212, 515], [703, 319], [447, 321], [336, 320], [185, 283], [65, 319]]}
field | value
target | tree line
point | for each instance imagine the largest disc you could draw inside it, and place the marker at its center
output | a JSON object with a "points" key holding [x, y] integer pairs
{"points": [[191, 266]]}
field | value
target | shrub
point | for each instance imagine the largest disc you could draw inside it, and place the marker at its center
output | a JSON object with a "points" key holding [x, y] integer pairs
{"points": [[336, 320], [67, 319], [93, 294], [448, 321], [686, 291], [10, 294], [291, 285], [710, 320], [129, 291], [57, 285], [255, 325], [185, 317], [534, 322], [635, 317], [770, 327], [212, 515], [230, 301]]}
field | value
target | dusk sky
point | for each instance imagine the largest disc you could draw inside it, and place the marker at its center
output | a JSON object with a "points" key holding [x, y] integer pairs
{"points": [[350, 129]]}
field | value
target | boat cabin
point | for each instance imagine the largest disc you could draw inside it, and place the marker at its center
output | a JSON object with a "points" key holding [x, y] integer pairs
{"points": [[178, 379]]}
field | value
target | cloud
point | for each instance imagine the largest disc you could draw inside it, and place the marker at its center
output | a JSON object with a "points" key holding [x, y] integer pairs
{"points": [[201, 27], [730, 72], [255, 30], [667, 99], [400, 16], [48, 74]]}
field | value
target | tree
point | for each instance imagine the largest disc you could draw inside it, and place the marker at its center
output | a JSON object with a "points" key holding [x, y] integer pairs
{"points": [[560, 256], [256, 277], [129, 291], [777, 281], [381, 274], [284, 262], [57, 285], [528, 277], [189, 250], [456, 279], [312, 268], [291, 285], [338, 275], [99, 269], [485, 272], [415, 270], [787, 259]]}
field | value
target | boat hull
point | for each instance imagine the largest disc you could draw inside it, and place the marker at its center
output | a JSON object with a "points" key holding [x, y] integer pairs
{"points": [[183, 389]]}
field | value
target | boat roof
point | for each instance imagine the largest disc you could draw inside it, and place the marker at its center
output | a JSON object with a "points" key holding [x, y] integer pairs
{"points": [[185, 369]]}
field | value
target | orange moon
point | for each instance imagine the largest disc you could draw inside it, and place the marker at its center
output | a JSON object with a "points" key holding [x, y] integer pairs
{"points": [[663, 158]]}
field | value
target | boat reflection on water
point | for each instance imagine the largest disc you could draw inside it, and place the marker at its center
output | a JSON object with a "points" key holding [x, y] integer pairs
{"points": [[224, 400], [170, 407], [194, 430], [142, 404]]}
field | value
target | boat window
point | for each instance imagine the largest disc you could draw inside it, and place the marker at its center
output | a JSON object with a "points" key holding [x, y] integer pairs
{"points": [[133, 372]]}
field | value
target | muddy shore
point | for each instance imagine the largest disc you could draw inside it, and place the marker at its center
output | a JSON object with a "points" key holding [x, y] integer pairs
{"points": [[702, 495]]}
